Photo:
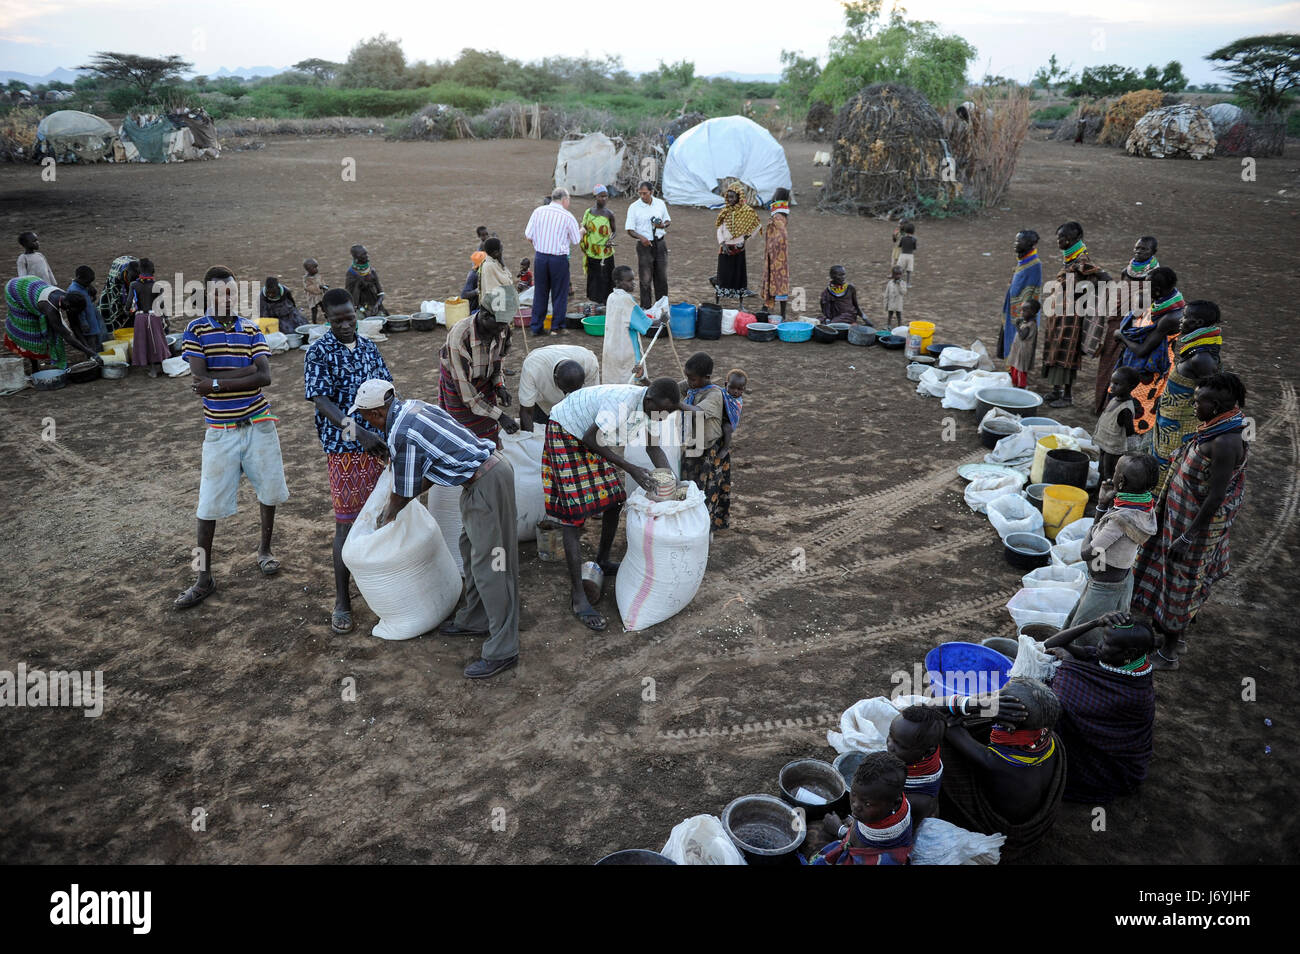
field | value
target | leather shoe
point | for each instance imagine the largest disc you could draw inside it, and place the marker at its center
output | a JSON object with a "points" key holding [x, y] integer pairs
{"points": [[451, 629], [484, 668]]}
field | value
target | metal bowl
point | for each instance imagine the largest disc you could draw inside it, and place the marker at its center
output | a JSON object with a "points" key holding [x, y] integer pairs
{"points": [[636, 856], [764, 828], [1027, 551], [116, 371], [892, 342], [83, 372], [818, 777], [1017, 401], [50, 380]]}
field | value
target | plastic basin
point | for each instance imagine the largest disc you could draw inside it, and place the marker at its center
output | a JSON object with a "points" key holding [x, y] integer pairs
{"points": [[594, 325], [965, 669]]}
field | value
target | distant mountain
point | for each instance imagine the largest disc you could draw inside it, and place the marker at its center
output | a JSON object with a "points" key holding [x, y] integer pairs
{"points": [[748, 77], [60, 75], [247, 71]]}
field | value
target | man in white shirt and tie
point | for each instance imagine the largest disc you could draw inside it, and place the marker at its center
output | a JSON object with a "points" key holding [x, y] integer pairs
{"points": [[647, 222], [553, 231]]}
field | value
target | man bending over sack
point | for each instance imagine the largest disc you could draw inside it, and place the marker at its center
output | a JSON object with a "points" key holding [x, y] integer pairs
{"points": [[550, 374], [1009, 778], [427, 447], [585, 440]]}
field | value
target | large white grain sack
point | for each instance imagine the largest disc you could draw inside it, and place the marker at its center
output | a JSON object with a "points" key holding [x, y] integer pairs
{"points": [[667, 552], [982, 491], [864, 726], [524, 451], [444, 504], [1043, 604], [667, 434], [1075, 530], [402, 569], [1012, 513], [1067, 576]]}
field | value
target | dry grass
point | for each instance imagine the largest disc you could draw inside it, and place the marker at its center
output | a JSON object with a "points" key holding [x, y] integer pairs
{"points": [[986, 147], [1124, 113], [18, 133], [333, 126]]}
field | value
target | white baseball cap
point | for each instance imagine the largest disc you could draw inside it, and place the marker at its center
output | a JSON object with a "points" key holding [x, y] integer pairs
{"points": [[372, 394]]}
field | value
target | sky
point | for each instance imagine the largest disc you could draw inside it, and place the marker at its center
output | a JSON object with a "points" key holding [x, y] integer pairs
{"points": [[37, 36]]}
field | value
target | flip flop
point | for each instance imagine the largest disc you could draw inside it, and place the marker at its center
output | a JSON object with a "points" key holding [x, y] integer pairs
{"points": [[269, 565], [591, 619], [341, 621], [194, 596]]}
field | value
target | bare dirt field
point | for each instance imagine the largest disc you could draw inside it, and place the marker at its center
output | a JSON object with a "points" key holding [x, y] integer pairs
{"points": [[235, 707]]}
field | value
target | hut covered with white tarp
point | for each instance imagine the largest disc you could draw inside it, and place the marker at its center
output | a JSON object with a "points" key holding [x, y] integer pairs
{"points": [[70, 135], [724, 150]]}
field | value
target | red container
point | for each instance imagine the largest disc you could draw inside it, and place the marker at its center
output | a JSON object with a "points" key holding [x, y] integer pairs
{"points": [[743, 321]]}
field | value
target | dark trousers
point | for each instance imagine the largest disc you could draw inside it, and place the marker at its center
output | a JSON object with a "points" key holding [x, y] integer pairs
{"points": [[652, 264], [550, 280]]}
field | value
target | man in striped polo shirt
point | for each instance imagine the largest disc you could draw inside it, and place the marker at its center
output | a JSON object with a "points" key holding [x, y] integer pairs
{"points": [[228, 357], [553, 231], [428, 447]]}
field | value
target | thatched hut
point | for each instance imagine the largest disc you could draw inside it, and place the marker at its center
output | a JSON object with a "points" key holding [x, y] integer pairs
{"points": [[1093, 116], [1173, 132], [1124, 113], [889, 154], [819, 122]]}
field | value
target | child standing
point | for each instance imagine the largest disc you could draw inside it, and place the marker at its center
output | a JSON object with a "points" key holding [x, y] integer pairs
{"points": [[1125, 519], [894, 292], [149, 344], [1020, 359], [32, 261], [92, 323], [314, 287], [525, 277], [1114, 433], [907, 250], [840, 299], [706, 459], [898, 233]]}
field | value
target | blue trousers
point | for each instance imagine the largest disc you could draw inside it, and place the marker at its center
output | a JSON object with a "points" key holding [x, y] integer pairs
{"points": [[550, 280]]}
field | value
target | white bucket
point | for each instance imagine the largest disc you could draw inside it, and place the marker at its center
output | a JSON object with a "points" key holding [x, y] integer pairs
{"points": [[11, 374]]}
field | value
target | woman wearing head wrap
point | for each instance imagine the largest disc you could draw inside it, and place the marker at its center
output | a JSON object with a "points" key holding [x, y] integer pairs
{"points": [[776, 254], [112, 300], [597, 246], [736, 222], [492, 270], [469, 291]]}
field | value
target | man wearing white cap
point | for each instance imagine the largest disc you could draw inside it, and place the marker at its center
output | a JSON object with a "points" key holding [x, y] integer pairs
{"points": [[428, 447], [470, 380]]}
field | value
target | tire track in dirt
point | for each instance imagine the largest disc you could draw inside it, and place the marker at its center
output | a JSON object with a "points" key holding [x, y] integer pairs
{"points": [[1288, 495]]}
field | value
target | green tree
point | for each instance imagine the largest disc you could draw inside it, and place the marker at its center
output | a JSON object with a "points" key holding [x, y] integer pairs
{"points": [[141, 73], [1053, 74], [799, 74], [1172, 78], [861, 17], [1265, 69], [909, 52], [377, 62], [1109, 79], [322, 70]]}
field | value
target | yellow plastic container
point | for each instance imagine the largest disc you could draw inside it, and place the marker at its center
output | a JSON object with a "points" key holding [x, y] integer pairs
{"points": [[124, 334], [1045, 443], [457, 310], [925, 329], [269, 326], [1062, 505]]}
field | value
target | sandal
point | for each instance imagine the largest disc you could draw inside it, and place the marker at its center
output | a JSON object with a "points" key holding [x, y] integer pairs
{"points": [[194, 595], [1161, 661], [341, 621], [591, 619], [269, 565]]}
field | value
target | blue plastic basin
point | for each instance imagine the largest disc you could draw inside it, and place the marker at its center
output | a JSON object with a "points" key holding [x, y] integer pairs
{"points": [[965, 669]]}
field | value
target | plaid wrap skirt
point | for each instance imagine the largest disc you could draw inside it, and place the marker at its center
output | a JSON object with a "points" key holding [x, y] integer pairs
{"points": [[577, 483]]}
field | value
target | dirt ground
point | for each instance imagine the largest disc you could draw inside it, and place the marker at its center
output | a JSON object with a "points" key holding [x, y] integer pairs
{"points": [[236, 708]]}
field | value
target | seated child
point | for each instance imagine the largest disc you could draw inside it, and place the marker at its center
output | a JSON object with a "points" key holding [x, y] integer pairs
{"points": [[706, 456], [363, 283], [277, 302], [314, 287], [525, 275], [895, 289], [840, 299], [879, 831], [914, 736], [1114, 434], [1020, 359], [1125, 519]]}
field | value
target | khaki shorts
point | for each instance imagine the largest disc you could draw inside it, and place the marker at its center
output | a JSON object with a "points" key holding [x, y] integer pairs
{"points": [[252, 450], [906, 261]]}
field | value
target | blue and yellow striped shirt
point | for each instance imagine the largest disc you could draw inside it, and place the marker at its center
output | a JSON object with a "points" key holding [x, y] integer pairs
{"points": [[228, 349]]}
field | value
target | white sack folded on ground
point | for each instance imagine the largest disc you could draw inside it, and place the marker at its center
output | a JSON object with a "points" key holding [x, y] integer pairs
{"points": [[1050, 575], [960, 395], [175, 367], [436, 308], [981, 491], [701, 840], [934, 381], [278, 342], [959, 358], [402, 569], [940, 842], [864, 726], [667, 554], [1033, 661]]}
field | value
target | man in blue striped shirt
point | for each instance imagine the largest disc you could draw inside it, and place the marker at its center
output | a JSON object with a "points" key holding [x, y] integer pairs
{"points": [[228, 358], [428, 447]]}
